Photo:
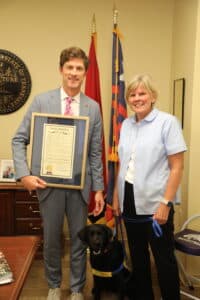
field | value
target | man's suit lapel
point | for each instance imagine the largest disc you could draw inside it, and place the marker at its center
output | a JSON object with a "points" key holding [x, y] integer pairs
{"points": [[84, 105], [54, 105]]}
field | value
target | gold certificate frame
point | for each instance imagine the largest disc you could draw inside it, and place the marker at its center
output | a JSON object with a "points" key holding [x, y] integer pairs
{"points": [[178, 104], [58, 149]]}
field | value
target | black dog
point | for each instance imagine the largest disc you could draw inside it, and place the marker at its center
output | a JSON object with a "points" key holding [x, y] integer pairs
{"points": [[107, 261]]}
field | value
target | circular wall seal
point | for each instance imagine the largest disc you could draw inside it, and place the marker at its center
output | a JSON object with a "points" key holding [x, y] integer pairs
{"points": [[15, 82]]}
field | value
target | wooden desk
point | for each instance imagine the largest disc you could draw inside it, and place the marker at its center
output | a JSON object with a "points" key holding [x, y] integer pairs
{"points": [[19, 252]]}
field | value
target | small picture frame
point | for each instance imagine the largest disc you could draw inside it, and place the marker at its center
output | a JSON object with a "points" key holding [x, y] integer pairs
{"points": [[7, 172], [178, 99]]}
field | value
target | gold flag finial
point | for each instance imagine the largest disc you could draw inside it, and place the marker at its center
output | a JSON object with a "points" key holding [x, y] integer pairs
{"points": [[93, 24], [115, 15]]}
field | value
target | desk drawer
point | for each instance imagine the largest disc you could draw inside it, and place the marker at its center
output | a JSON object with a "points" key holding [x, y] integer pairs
{"points": [[27, 210], [28, 226], [25, 196]]}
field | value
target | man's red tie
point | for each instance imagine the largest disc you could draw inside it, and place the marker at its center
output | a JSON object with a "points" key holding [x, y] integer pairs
{"points": [[68, 107]]}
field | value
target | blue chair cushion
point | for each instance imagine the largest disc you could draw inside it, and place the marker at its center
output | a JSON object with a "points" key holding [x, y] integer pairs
{"points": [[188, 241]]}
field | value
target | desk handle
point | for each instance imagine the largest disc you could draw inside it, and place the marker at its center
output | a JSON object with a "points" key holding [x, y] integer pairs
{"points": [[34, 227], [33, 211], [33, 195]]}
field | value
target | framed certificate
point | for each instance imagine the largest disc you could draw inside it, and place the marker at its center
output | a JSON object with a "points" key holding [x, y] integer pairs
{"points": [[58, 149]]}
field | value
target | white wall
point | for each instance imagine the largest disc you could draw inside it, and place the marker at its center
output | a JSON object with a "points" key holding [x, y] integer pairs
{"points": [[186, 63], [194, 165], [183, 55]]}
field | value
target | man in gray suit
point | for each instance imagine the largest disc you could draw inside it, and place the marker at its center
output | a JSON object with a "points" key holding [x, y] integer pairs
{"points": [[55, 203]]}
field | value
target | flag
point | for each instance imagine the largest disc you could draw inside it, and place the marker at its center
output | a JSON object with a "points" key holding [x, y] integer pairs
{"points": [[92, 89], [118, 114]]}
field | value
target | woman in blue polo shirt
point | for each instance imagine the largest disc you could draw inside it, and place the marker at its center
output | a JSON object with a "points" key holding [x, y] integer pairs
{"points": [[151, 153]]}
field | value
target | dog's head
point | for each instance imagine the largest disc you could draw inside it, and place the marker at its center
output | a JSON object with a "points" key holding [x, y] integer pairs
{"points": [[96, 237]]}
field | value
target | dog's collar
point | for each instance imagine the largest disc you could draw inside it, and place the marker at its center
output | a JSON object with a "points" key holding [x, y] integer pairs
{"points": [[96, 252], [107, 273], [99, 251]]}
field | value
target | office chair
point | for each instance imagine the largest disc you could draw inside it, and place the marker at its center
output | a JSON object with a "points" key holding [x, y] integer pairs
{"points": [[187, 241]]}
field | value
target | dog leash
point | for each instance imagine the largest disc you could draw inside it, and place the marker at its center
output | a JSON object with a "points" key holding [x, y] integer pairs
{"points": [[156, 227], [118, 222]]}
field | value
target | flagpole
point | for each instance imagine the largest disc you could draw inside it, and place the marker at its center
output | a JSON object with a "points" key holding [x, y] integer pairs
{"points": [[93, 31], [93, 24], [115, 19], [118, 114]]}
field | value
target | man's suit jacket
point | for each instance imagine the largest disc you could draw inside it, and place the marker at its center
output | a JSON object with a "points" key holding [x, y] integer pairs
{"points": [[50, 103]]}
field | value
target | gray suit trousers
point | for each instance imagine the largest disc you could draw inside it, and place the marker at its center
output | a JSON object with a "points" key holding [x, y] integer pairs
{"points": [[54, 207]]}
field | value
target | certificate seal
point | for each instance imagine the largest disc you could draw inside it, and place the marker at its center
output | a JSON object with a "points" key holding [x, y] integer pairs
{"points": [[15, 82]]}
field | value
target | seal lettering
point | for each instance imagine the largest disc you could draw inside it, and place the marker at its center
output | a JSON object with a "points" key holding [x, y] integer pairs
{"points": [[15, 82]]}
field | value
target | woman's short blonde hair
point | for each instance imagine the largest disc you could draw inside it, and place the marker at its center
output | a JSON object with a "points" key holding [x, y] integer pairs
{"points": [[145, 81]]}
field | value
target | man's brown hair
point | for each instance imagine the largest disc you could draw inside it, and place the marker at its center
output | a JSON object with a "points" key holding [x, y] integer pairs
{"points": [[73, 52]]}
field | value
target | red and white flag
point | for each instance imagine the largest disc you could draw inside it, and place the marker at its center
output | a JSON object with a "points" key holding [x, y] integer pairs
{"points": [[92, 89]]}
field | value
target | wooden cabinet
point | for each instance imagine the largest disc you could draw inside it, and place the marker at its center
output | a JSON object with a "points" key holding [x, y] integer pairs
{"points": [[7, 212], [27, 214], [19, 211]]}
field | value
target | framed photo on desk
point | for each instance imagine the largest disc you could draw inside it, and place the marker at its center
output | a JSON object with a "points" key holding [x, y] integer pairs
{"points": [[58, 149], [7, 173], [178, 101]]}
